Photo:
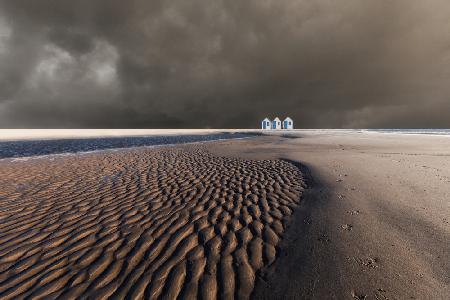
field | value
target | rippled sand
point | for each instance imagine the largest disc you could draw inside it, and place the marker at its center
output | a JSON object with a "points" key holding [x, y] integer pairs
{"points": [[169, 222]]}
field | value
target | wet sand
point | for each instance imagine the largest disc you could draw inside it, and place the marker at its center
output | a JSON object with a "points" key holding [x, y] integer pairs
{"points": [[375, 223], [143, 223]]}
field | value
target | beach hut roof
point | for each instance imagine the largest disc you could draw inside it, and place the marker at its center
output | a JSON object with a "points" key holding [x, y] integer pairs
{"points": [[266, 119], [288, 119], [276, 119]]}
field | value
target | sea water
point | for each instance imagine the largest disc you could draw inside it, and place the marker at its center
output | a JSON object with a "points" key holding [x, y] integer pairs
{"points": [[28, 148]]}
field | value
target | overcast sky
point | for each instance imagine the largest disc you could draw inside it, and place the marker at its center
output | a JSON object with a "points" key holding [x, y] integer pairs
{"points": [[224, 64]]}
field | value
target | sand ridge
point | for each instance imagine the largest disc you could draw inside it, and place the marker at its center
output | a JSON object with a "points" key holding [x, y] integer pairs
{"points": [[143, 223]]}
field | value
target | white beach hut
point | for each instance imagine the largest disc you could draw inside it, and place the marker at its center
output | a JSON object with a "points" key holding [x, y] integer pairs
{"points": [[265, 124], [288, 123], [276, 123]]}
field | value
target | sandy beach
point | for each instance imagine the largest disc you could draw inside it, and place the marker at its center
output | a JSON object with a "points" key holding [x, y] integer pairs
{"points": [[315, 215], [375, 223], [173, 222]]}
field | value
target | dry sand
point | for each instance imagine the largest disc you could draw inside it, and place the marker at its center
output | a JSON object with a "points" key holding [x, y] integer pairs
{"points": [[232, 219], [162, 223], [50, 134], [374, 225]]}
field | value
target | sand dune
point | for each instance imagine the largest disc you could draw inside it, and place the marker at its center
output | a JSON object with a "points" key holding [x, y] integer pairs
{"points": [[161, 223]]}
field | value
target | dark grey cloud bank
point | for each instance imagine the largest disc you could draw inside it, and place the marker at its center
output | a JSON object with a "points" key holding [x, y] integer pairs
{"points": [[224, 64]]}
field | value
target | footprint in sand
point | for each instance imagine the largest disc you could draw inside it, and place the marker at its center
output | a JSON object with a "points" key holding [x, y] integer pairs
{"points": [[369, 262], [380, 294], [358, 296], [324, 238], [347, 227]]}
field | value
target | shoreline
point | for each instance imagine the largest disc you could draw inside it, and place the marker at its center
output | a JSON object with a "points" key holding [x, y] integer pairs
{"points": [[8, 135], [12, 150], [65, 154]]}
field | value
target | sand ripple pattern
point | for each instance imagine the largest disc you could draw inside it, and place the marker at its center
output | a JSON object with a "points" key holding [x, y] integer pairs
{"points": [[159, 224]]}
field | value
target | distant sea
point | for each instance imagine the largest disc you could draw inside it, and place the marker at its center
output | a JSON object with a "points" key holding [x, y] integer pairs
{"points": [[412, 131], [26, 148]]}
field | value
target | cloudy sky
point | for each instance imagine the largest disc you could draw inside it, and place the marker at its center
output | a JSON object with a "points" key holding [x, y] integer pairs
{"points": [[224, 64]]}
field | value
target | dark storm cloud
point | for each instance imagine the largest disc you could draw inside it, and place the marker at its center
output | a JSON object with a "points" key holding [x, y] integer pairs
{"points": [[224, 64]]}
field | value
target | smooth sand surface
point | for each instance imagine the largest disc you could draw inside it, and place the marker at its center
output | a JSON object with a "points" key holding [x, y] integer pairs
{"points": [[143, 223], [374, 225]]}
